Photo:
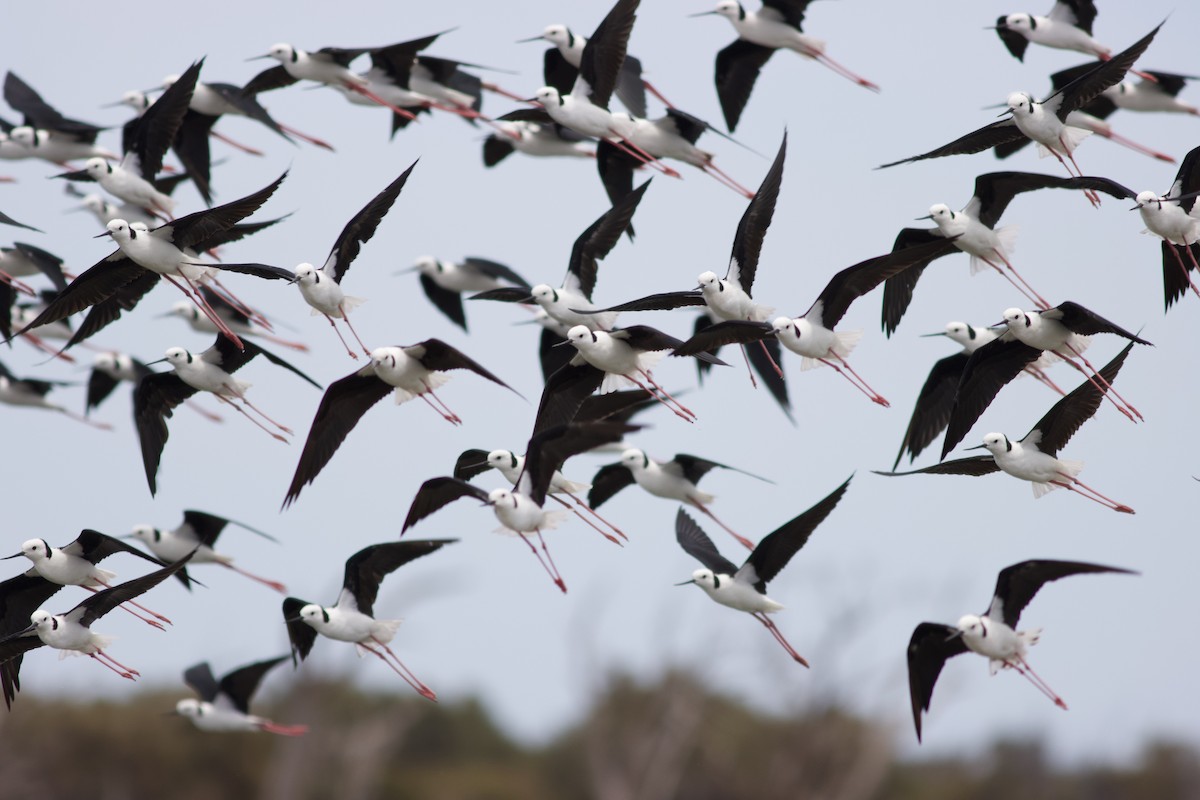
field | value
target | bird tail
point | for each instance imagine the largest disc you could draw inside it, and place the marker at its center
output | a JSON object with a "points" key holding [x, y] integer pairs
{"points": [[1031, 637], [282, 730], [350, 303], [433, 380], [613, 383], [1069, 468], [385, 629], [1007, 237], [762, 313], [105, 577], [1070, 138]]}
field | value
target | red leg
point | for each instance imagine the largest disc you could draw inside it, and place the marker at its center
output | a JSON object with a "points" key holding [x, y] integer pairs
{"points": [[586, 521], [742, 540], [276, 585]]}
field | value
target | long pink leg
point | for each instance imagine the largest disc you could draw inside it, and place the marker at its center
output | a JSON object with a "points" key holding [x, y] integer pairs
{"points": [[242, 411], [594, 513], [1108, 385], [821, 58], [199, 300], [586, 521], [1186, 270], [103, 657], [138, 606], [40, 343], [16, 283], [1141, 148], [122, 672], [233, 300], [770, 625], [244, 148], [259, 411], [346, 318], [1041, 376], [749, 371], [276, 585], [282, 730], [650, 88], [641, 155], [742, 540], [208, 415], [662, 400], [349, 352], [310, 139], [104, 426], [371, 95], [770, 358], [492, 87], [417, 686], [666, 394], [1036, 298], [712, 170], [420, 687], [1022, 666], [1115, 505], [861, 385], [456, 418], [551, 570], [1095, 499], [452, 419]]}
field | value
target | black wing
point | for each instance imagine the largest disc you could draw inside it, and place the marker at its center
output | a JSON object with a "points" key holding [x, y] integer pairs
{"points": [[205, 527], [600, 237], [341, 407], [608, 480], [191, 147], [1053, 431], [199, 228], [898, 290], [435, 354], [931, 413], [616, 173], [1016, 585], [155, 129], [268, 80], [737, 69], [471, 463], [496, 148], [246, 104], [361, 227], [548, 449], [447, 301], [436, 493], [47, 263], [253, 349], [7, 220], [20, 596], [109, 310], [975, 466], [557, 71], [1080, 91], [615, 406], [996, 133], [40, 114], [93, 285], [630, 89], [553, 354], [697, 544], [734, 331], [105, 601], [752, 228], [301, 635], [777, 547], [96, 546], [604, 53], [663, 301], [154, 401], [564, 393], [494, 269], [694, 468], [988, 370], [366, 569], [200, 678], [1099, 106], [931, 644], [1175, 277], [239, 686], [1084, 321]]}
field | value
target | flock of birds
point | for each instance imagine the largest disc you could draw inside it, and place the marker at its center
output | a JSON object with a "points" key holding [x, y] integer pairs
{"points": [[600, 385]]}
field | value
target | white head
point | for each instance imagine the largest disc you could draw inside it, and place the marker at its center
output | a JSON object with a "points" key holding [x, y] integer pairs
{"points": [[35, 550], [548, 96], [558, 35], [729, 8], [960, 332], [177, 355], [306, 274], [941, 212], [706, 579], [120, 231], [970, 625], [502, 459], [1017, 22], [1016, 318], [781, 324], [97, 166], [146, 533], [23, 134], [428, 265], [997, 443], [498, 496], [634, 458], [136, 100], [282, 52], [185, 309], [1148, 198], [581, 336], [106, 361], [314, 615], [42, 618], [544, 294], [138, 227], [190, 707], [708, 281], [1020, 101], [169, 81]]}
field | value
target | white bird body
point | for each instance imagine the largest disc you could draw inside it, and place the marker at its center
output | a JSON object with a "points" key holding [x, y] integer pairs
{"points": [[16, 264], [532, 139], [671, 484], [154, 252], [106, 211], [63, 568], [218, 717], [613, 356], [519, 514], [345, 623], [558, 303], [768, 29], [397, 368], [1042, 332], [23, 316], [11, 150], [452, 277], [1023, 460], [510, 465], [1058, 33], [118, 366], [1168, 220], [323, 293], [422, 84], [1143, 96], [18, 393], [304, 66], [981, 243], [170, 546], [999, 643], [1044, 127], [728, 300], [56, 149], [122, 181], [576, 112], [66, 635], [735, 592], [660, 142], [204, 375], [807, 337], [380, 84]]}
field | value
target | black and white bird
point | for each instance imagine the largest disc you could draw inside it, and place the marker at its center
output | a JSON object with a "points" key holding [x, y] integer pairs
{"points": [[224, 705], [77, 564], [1045, 121], [1034, 457], [777, 25], [157, 395], [23, 260], [675, 479], [197, 535], [46, 133], [1060, 331], [520, 509], [745, 588], [992, 634], [321, 286], [445, 281], [20, 596], [539, 139], [405, 371], [72, 633], [1068, 26], [32, 392], [352, 617]]}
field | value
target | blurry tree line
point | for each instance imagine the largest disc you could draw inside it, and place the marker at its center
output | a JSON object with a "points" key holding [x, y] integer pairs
{"points": [[674, 739]]}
